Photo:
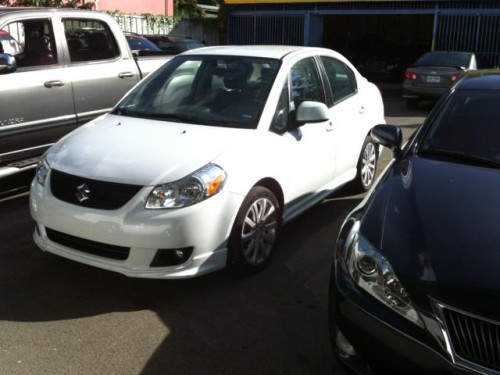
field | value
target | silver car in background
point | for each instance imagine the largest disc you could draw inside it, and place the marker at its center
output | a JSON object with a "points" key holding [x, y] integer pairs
{"points": [[433, 73]]}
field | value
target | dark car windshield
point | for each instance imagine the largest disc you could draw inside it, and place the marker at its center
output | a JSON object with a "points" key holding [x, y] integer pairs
{"points": [[186, 45], [212, 90], [452, 59], [466, 128], [138, 43]]}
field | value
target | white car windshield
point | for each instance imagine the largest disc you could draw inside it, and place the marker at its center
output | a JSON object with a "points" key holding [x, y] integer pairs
{"points": [[225, 91]]}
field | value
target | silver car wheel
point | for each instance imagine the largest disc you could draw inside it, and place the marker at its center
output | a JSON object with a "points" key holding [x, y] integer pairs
{"points": [[259, 231], [368, 164]]}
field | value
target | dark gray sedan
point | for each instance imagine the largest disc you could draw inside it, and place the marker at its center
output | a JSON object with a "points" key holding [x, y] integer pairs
{"points": [[433, 73]]}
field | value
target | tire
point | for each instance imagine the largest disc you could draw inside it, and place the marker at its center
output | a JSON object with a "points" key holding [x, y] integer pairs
{"points": [[255, 232], [367, 166]]}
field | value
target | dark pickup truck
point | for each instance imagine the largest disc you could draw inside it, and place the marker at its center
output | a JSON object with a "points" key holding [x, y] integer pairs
{"points": [[59, 68]]}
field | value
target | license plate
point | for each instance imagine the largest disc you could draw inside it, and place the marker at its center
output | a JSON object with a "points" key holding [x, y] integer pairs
{"points": [[433, 79]]}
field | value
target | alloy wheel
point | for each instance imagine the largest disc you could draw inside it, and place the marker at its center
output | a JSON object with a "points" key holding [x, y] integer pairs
{"points": [[259, 231], [368, 164]]}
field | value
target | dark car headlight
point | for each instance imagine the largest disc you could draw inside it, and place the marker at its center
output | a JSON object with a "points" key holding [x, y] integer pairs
{"points": [[373, 273]]}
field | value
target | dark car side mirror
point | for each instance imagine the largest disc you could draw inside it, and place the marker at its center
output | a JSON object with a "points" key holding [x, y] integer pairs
{"points": [[8, 63], [389, 136]]}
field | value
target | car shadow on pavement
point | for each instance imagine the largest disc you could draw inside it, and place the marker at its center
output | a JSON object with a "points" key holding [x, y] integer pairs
{"points": [[274, 322]]}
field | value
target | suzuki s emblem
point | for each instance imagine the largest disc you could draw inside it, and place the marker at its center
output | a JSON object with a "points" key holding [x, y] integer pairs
{"points": [[82, 193]]}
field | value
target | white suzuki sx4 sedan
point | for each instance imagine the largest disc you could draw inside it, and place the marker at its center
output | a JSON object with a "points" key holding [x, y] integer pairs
{"points": [[199, 165]]}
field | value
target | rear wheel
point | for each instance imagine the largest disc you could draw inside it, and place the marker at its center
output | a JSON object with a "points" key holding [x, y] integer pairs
{"points": [[255, 231], [367, 166]]}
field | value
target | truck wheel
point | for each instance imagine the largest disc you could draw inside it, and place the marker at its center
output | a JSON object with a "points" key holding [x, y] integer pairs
{"points": [[255, 232]]}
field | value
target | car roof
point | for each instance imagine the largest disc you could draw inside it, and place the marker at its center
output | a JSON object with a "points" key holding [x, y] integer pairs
{"points": [[265, 51], [168, 36], [38, 9], [448, 52], [485, 79]]}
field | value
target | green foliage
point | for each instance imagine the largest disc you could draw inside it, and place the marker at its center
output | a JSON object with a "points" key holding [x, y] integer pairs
{"points": [[188, 9], [159, 21]]}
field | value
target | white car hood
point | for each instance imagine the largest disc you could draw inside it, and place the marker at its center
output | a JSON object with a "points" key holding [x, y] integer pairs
{"points": [[137, 151]]}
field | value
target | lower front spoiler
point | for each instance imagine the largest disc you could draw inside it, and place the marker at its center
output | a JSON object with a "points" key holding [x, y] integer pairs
{"points": [[196, 266], [368, 345]]}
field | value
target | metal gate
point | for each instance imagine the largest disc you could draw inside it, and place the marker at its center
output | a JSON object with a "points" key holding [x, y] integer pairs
{"points": [[266, 29], [479, 33]]}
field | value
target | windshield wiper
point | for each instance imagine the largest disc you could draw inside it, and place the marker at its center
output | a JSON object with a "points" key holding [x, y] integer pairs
{"points": [[462, 156]]}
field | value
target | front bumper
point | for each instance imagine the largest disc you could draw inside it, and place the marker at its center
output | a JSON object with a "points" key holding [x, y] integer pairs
{"points": [[383, 341], [203, 228]]}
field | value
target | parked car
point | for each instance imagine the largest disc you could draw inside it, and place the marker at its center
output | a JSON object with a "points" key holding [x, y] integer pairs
{"points": [[434, 73], [415, 279], [200, 165], [59, 69], [9, 45], [383, 68], [139, 43], [174, 43]]}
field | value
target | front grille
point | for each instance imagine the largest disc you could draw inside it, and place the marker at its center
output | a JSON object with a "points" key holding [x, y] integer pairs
{"points": [[87, 246], [474, 339], [90, 193]]}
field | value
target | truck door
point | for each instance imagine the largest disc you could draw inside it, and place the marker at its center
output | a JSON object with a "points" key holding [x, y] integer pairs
{"points": [[36, 101], [102, 70]]}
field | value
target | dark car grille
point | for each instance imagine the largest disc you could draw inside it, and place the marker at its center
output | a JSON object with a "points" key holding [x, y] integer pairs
{"points": [[474, 339], [90, 193], [87, 246]]}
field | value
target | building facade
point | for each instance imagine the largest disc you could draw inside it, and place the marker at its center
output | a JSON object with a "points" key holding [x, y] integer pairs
{"points": [[363, 28], [156, 7]]}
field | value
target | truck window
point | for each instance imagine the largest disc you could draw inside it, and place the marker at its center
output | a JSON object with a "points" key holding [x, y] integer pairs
{"points": [[35, 38], [89, 40]]}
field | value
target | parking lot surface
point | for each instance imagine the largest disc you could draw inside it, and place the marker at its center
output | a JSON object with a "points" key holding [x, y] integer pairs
{"points": [[61, 317]]}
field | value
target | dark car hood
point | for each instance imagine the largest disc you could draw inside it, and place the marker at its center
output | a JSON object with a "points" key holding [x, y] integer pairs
{"points": [[437, 223]]}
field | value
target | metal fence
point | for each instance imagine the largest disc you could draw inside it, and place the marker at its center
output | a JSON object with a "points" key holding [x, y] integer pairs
{"points": [[206, 31], [479, 33], [266, 29]]}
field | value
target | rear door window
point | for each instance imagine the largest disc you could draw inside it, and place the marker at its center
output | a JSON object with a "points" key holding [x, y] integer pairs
{"points": [[340, 77], [89, 40]]}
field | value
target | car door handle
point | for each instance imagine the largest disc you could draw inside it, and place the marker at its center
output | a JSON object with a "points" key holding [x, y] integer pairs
{"points": [[56, 83], [362, 110], [125, 75], [329, 127]]}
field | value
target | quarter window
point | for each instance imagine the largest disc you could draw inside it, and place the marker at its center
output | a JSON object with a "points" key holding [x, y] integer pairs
{"points": [[340, 77]]}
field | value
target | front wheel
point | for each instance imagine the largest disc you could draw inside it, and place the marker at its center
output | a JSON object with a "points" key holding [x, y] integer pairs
{"points": [[367, 166], [255, 231]]}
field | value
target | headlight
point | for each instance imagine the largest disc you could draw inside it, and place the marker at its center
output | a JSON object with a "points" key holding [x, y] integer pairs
{"points": [[42, 170], [202, 184], [373, 273]]}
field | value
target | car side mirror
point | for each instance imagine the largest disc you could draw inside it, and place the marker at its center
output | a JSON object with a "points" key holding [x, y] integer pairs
{"points": [[8, 63], [309, 111], [389, 136]]}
